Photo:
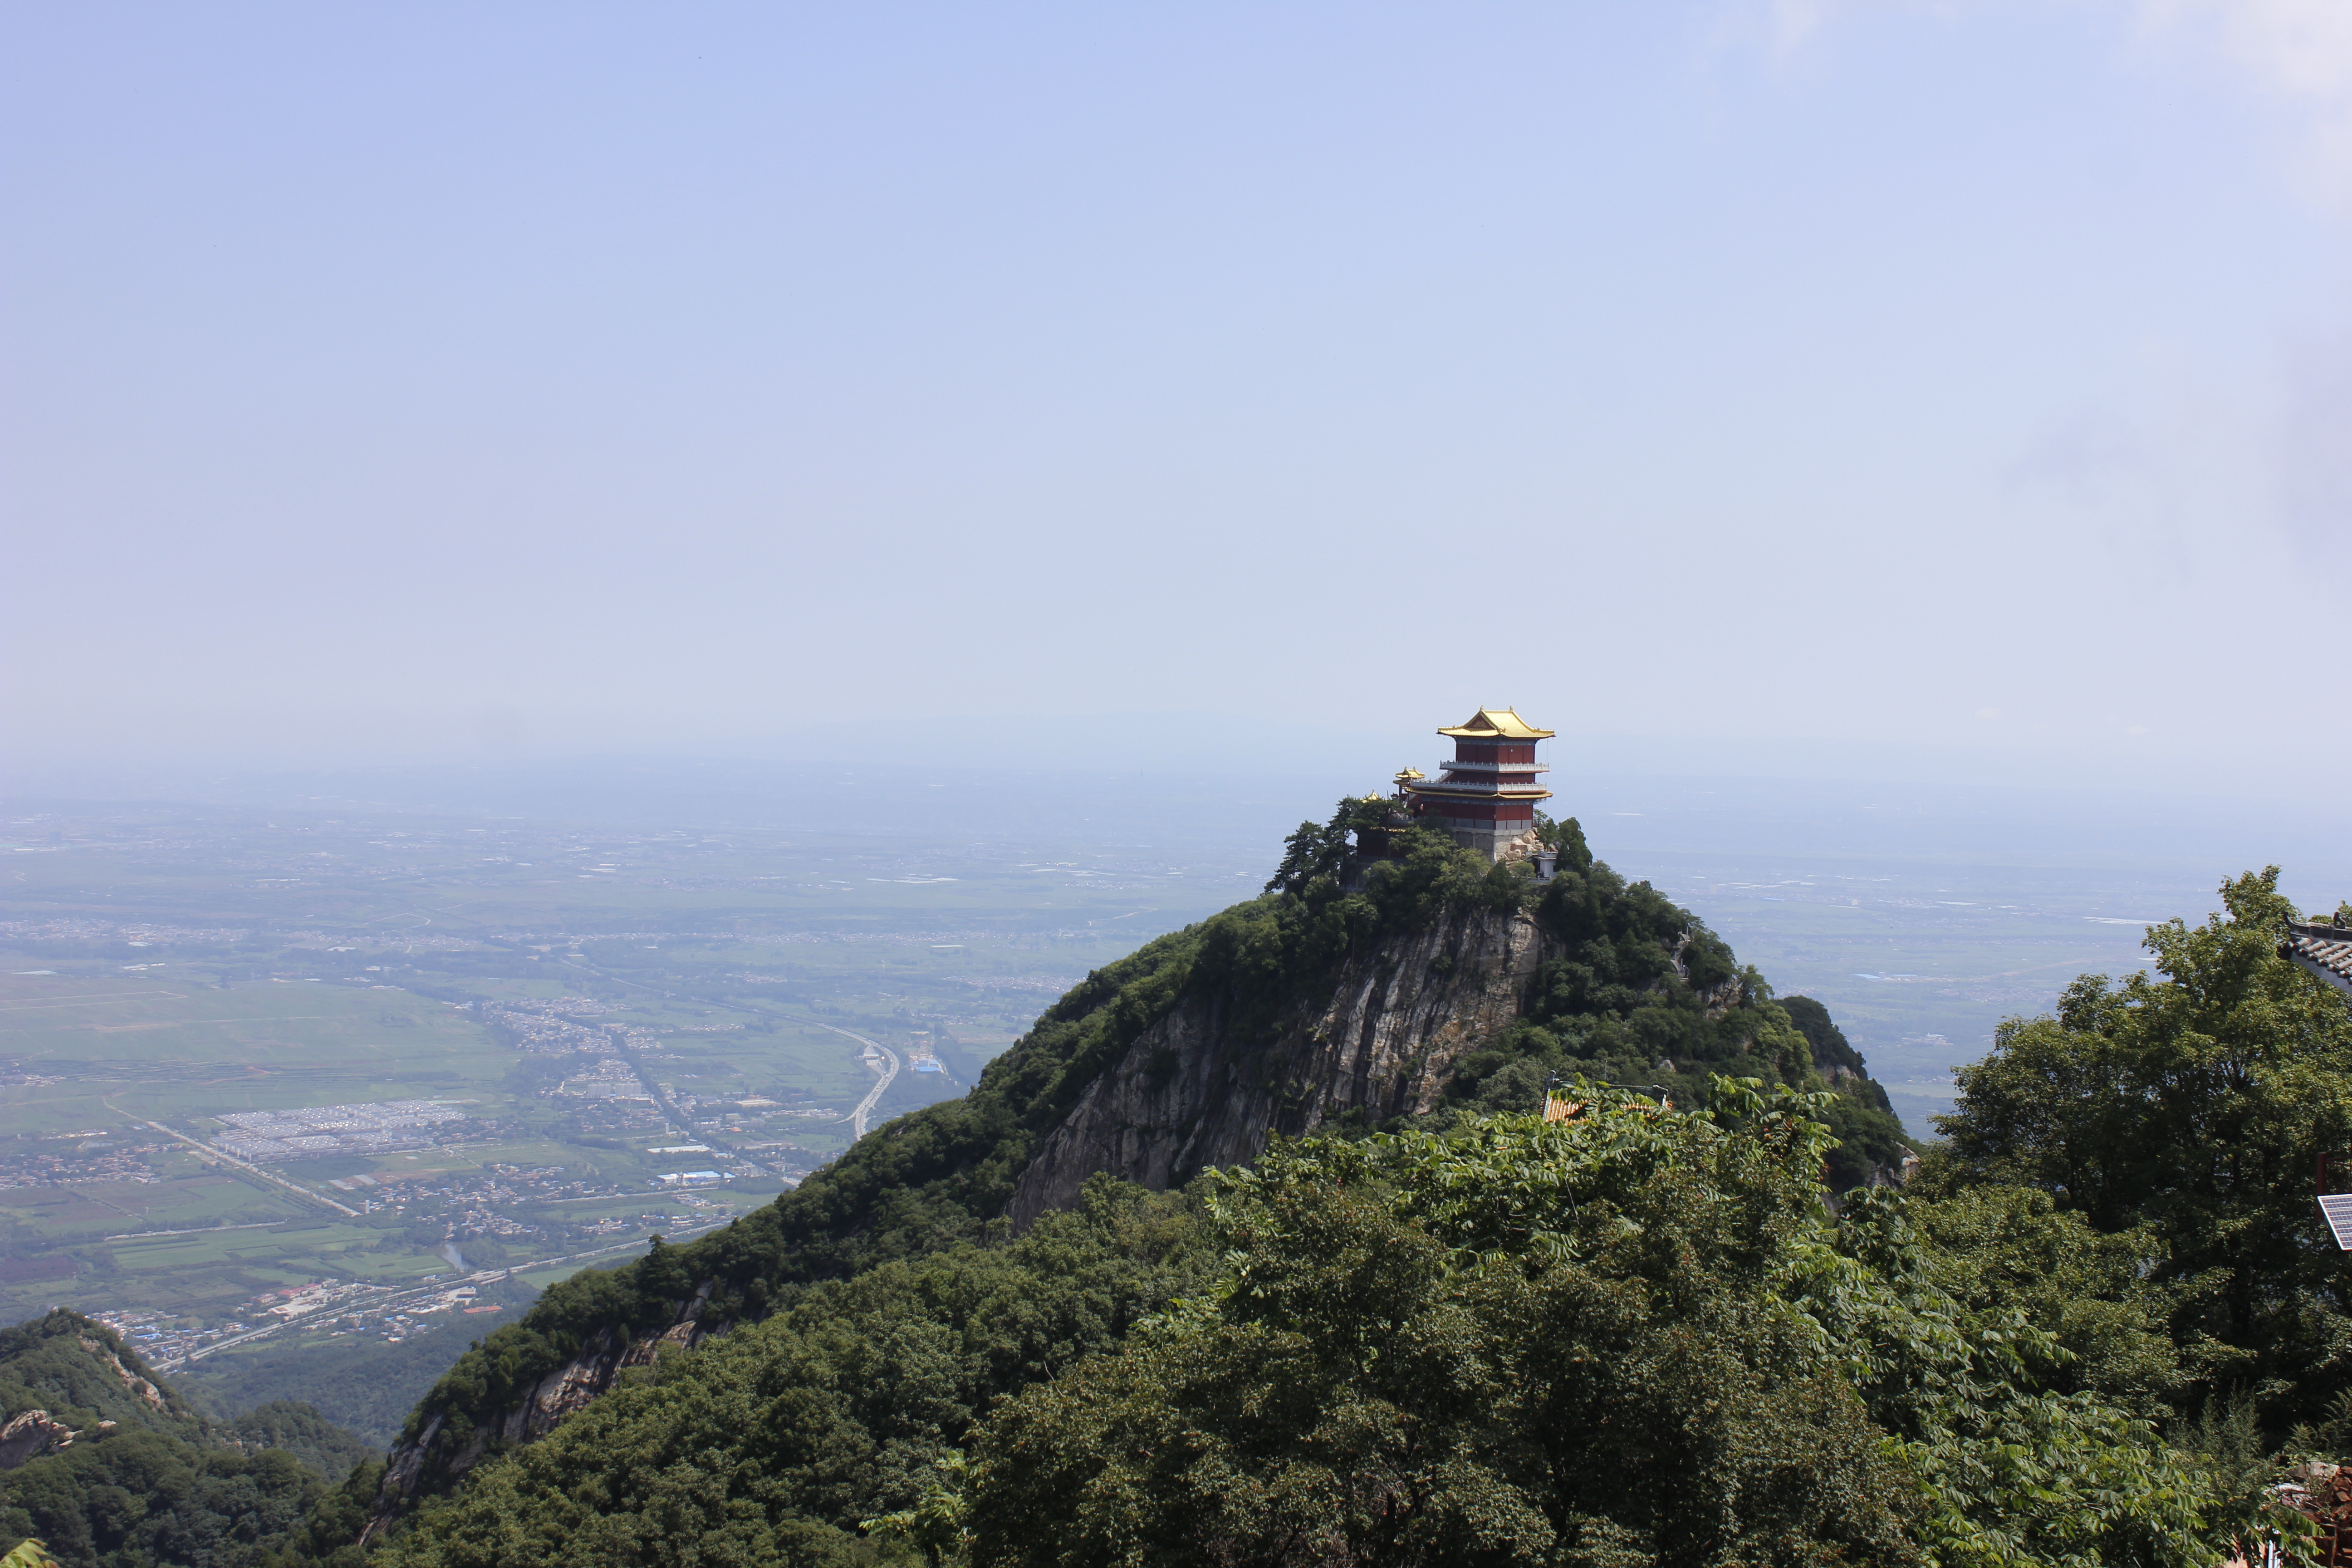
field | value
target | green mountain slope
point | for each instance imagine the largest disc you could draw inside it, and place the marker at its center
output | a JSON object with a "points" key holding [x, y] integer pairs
{"points": [[113, 1467], [771, 1445], [1633, 1336], [298, 1428], [1631, 980], [82, 1372]]}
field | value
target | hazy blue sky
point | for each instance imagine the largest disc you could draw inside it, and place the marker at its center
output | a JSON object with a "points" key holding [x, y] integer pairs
{"points": [[1969, 384]]}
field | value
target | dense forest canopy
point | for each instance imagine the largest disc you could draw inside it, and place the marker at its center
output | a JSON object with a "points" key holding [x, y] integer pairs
{"points": [[773, 1443], [141, 1477], [2184, 1117], [1636, 1336], [1679, 1317]]}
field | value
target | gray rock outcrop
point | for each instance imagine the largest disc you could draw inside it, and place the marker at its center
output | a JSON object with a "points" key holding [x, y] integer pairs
{"points": [[597, 1366], [1192, 1092], [30, 1434]]}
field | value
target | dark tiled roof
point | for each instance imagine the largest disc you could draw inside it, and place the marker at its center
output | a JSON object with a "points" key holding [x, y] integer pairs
{"points": [[2326, 951]]}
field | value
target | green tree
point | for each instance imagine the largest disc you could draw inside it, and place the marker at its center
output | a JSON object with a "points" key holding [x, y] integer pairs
{"points": [[2015, 1473], [2191, 1108], [1633, 1337], [301, 1431], [774, 1444], [2098, 1296], [138, 1499]]}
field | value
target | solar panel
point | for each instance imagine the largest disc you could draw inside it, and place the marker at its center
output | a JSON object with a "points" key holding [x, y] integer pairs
{"points": [[2335, 1208]]}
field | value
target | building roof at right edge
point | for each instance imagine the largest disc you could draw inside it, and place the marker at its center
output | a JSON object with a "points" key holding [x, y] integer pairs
{"points": [[2326, 951], [1496, 725]]}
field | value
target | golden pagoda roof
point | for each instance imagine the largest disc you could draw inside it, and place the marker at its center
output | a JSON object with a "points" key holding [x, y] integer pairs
{"points": [[1496, 725], [1405, 773]]}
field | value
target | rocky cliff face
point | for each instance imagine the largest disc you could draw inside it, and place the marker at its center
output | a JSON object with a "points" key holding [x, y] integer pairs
{"points": [[32, 1433], [132, 1383], [597, 1366], [1191, 1093]]}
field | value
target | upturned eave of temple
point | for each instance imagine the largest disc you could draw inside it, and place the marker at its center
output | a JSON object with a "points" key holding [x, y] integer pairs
{"points": [[1495, 724]]}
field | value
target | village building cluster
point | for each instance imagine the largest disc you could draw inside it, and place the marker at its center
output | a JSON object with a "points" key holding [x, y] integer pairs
{"points": [[382, 1127]]}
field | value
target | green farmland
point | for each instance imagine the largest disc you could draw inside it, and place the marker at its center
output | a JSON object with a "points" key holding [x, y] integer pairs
{"points": [[609, 1015]]}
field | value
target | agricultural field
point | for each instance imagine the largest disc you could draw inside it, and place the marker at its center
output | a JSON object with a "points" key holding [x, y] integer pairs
{"points": [[254, 1059]]}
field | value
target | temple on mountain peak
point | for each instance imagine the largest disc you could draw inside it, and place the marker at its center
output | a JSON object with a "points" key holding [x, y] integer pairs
{"points": [[1486, 794]]}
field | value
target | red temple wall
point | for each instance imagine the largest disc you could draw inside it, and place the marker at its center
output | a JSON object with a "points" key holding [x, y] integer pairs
{"points": [[1484, 810]]}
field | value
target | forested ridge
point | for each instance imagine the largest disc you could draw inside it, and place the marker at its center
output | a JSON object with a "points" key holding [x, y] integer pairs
{"points": [[1641, 984], [124, 1472], [1677, 1320]]}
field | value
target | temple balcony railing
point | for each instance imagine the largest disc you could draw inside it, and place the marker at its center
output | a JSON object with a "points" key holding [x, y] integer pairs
{"points": [[1484, 790], [1479, 768]]}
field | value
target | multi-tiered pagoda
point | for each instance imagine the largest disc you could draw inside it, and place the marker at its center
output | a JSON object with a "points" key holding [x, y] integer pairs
{"points": [[1486, 796]]}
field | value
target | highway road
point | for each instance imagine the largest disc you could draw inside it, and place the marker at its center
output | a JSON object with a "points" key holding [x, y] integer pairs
{"points": [[865, 1111]]}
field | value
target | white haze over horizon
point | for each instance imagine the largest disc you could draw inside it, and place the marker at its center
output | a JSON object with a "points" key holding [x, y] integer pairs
{"points": [[1946, 392]]}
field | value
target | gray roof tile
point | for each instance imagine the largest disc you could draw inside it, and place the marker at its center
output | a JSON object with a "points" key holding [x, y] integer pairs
{"points": [[2324, 950]]}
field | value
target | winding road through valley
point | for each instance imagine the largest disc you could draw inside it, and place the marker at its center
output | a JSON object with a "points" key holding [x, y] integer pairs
{"points": [[865, 1111]]}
